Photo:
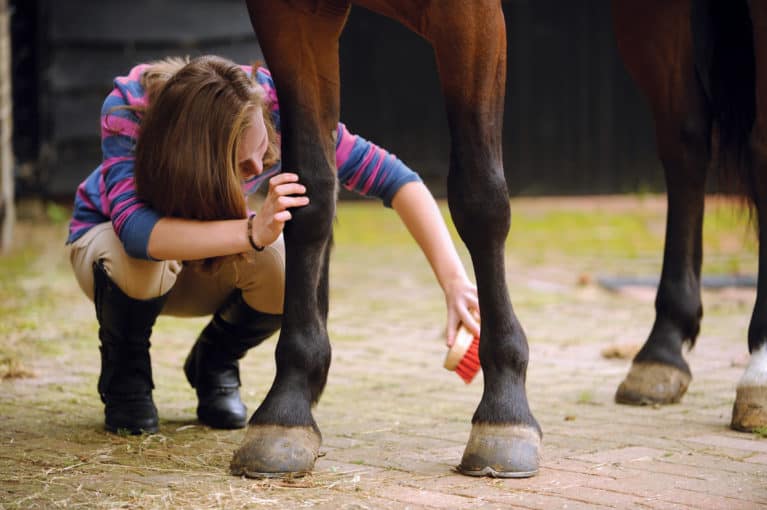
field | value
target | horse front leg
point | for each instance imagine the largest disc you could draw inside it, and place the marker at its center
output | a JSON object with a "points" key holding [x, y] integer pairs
{"points": [[282, 436], [656, 46], [469, 39]]}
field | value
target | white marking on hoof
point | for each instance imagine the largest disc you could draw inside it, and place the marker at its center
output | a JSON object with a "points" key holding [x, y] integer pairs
{"points": [[750, 409], [756, 371]]}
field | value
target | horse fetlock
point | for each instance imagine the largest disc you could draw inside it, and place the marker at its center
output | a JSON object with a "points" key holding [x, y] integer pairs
{"points": [[276, 451], [681, 310], [502, 451], [305, 352], [650, 383]]}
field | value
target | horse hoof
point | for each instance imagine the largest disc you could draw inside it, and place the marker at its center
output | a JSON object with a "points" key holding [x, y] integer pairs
{"points": [[270, 451], [750, 410], [652, 383], [501, 451]]}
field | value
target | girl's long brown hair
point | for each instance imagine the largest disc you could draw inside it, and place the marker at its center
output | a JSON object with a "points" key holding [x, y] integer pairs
{"points": [[186, 152]]}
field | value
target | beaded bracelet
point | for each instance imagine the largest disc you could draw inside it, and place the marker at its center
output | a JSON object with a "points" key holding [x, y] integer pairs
{"points": [[250, 234]]}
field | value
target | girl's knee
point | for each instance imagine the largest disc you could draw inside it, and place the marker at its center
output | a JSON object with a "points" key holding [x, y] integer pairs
{"points": [[262, 279], [144, 279], [137, 278]]}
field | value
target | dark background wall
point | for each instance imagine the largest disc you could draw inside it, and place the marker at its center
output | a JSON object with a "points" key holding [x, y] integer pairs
{"points": [[65, 70], [574, 122]]}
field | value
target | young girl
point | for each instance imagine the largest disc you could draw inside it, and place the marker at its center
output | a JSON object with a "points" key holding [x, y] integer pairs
{"points": [[162, 226]]}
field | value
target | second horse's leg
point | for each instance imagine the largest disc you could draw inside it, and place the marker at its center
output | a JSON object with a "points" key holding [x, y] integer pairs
{"points": [[750, 409], [654, 39]]}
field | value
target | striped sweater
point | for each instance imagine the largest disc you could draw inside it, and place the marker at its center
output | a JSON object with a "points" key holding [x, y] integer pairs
{"points": [[109, 193]]}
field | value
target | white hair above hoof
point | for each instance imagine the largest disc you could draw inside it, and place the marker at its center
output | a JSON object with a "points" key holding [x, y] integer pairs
{"points": [[750, 409]]}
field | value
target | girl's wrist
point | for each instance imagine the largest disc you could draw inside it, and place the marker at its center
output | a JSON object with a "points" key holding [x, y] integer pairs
{"points": [[456, 280], [251, 233]]}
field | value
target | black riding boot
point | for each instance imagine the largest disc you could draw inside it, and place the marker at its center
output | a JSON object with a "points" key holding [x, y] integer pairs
{"points": [[212, 366], [125, 383]]}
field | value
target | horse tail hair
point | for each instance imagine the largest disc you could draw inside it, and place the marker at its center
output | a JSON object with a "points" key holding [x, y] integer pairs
{"points": [[724, 59]]}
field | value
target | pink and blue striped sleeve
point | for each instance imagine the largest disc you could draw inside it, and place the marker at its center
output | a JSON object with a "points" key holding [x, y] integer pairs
{"points": [[132, 219], [369, 169], [363, 166]]}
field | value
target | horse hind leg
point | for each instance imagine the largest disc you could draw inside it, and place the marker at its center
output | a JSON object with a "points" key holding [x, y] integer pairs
{"points": [[659, 373], [749, 412], [469, 40], [750, 408], [648, 40]]}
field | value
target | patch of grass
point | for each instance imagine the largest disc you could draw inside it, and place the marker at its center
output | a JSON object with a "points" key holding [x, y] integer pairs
{"points": [[585, 397], [616, 237], [12, 368], [124, 433], [628, 240], [14, 264], [368, 224], [585, 232], [57, 214], [761, 432]]}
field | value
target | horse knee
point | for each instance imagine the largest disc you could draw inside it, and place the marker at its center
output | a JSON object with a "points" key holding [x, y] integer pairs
{"points": [[313, 222], [694, 134], [480, 209], [686, 147]]}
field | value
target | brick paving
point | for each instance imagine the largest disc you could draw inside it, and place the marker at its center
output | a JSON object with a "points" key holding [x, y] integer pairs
{"points": [[409, 423], [395, 423]]}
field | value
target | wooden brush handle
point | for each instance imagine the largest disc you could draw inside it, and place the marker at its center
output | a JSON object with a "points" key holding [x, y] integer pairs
{"points": [[463, 339]]}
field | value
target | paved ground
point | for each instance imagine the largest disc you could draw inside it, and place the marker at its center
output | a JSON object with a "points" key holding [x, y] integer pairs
{"points": [[394, 422]]}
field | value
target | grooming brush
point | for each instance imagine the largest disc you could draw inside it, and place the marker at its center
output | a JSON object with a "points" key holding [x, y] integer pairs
{"points": [[463, 356]]}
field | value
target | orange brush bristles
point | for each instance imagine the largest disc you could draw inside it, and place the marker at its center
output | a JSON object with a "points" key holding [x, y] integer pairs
{"points": [[468, 367], [463, 356]]}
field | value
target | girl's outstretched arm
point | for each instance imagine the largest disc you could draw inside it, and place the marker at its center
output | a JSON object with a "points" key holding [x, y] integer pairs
{"points": [[420, 214]]}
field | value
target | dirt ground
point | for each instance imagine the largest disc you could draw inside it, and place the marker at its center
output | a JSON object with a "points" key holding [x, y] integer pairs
{"points": [[394, 422]]}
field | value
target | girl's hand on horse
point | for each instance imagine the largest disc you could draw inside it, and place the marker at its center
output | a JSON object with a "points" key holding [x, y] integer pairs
{"points": [[462, 308], [284, 192]]}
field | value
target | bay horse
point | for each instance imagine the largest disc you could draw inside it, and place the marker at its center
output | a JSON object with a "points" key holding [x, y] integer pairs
{"points": [[299, 39], [702, 66]]}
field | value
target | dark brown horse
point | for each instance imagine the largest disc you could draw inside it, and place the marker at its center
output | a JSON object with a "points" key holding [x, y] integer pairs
{"points": [[299, 39], [696, 62]]}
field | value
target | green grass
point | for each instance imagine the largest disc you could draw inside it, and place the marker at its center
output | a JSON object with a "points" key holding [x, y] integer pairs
{"points": [[595, 232], [585, 397], [629, 240]]}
